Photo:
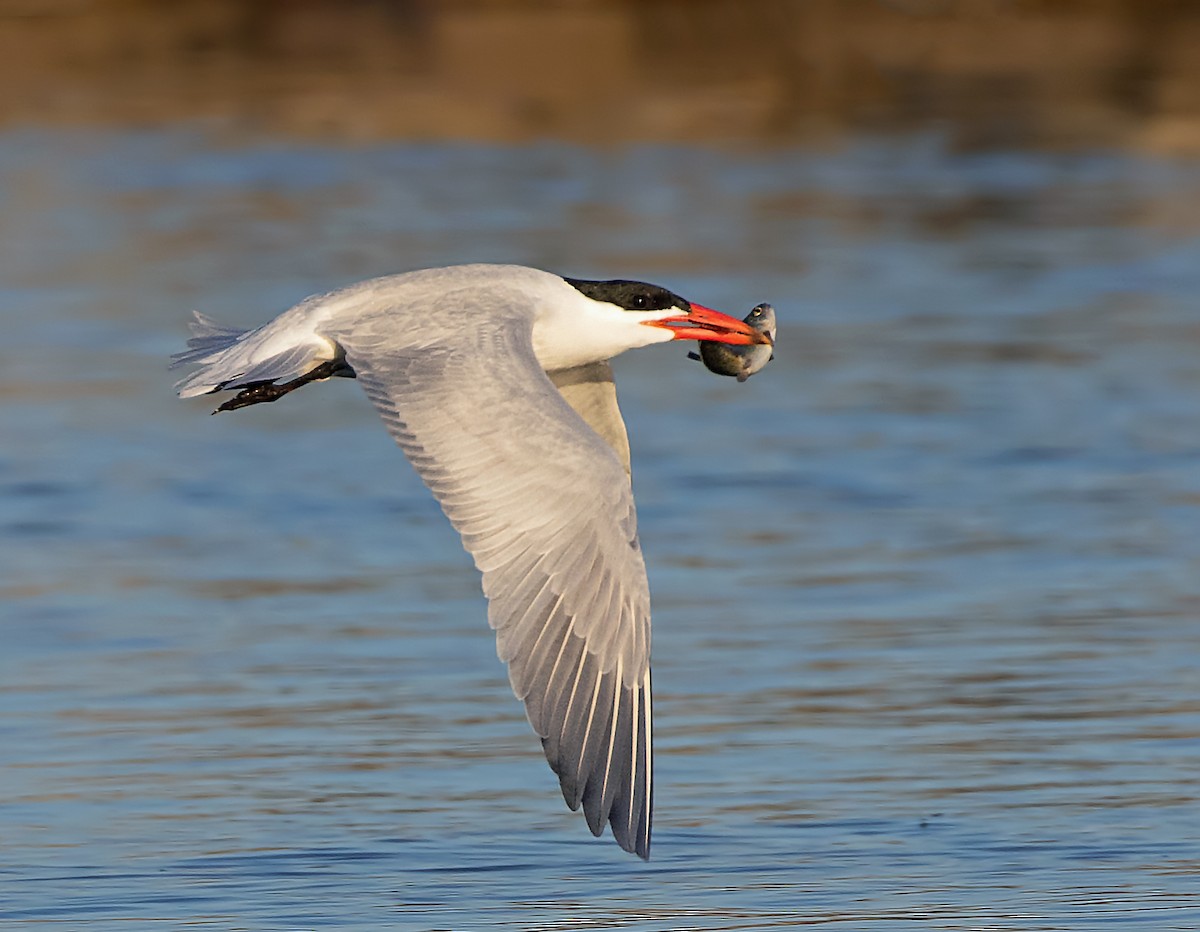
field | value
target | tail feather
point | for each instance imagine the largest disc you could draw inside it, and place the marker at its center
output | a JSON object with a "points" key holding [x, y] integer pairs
{"points": [[286, 365], [229, 358], [207, 337]]}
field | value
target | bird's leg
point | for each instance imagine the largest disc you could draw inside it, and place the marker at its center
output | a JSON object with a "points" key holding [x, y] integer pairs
{"points": [[262, 392]]}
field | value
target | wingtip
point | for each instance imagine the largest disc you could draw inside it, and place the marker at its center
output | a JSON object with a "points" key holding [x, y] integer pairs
{"points": [[638, 844]]}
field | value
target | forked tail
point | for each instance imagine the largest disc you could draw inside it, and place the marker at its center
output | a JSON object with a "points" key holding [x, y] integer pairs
{"points": [[265, 363]]}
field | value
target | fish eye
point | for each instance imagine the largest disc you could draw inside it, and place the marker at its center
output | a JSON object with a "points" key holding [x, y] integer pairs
{"points": [[756, 312]]}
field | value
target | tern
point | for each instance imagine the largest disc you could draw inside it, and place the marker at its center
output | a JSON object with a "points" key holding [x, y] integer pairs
{"points": [[494, 380]]}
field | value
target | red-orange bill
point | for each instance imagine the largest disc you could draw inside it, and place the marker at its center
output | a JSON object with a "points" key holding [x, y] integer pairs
{"points": [[703, 323]]}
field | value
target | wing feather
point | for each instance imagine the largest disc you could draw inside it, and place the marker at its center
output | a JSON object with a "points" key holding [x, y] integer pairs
{"points": [[591, 391], [544, 505]]}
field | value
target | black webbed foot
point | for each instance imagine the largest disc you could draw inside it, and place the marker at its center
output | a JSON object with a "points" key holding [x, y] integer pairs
{"points": [[263, 392], [257, 393]]}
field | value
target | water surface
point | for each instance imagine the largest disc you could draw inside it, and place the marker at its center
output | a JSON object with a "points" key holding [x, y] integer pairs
{"points": [[926, 637]]}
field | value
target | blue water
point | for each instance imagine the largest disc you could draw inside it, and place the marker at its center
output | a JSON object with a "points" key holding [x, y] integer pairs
{"points": [[927, 590]]}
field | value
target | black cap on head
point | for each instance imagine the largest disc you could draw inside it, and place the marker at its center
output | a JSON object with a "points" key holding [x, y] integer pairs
{"points": [[633, 296]]}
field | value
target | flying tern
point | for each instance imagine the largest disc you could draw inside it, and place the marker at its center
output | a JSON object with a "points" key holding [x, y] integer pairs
{"points": [[494, 380]]}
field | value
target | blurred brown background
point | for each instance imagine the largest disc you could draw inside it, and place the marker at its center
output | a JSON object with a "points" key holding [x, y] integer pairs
{"points": [[991, 72]]}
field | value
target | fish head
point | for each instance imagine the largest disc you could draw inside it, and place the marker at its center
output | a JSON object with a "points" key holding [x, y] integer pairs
{"points": [[762, 318]]}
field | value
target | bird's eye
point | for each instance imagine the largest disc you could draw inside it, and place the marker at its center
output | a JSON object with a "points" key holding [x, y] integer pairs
{"points": [[640, 302]]}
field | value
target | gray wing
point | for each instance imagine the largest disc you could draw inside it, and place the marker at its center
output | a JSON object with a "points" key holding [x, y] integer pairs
{"points": [[591, 391], [545, 507]]}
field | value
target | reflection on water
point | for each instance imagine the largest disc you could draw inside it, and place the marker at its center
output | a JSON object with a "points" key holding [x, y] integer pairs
{"points": [[926, 642]]}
